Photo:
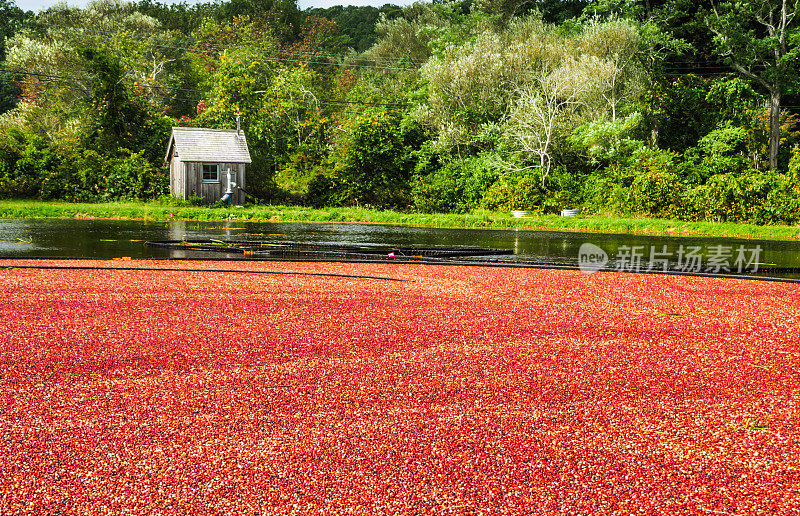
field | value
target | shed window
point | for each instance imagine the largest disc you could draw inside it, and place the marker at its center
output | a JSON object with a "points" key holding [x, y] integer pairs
{"points": [[210, 173]]}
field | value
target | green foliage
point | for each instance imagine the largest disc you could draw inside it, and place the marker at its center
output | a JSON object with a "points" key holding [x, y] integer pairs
{"points": [[133, 177], [648, 183], [372, 164], [733, 99], [722, 151], [357, 22], [487, 83], [459, 186], [28, 165], [408, 38], [119, 118], [761, 40], [31, 168], [756, 197], [516, 191], [605, 141], [558, 11], [794, 166], [680, 112], [125, 177], [299, 170], [322, 191], [758, 132], [728, 140], [658, 193], [12, 19]]}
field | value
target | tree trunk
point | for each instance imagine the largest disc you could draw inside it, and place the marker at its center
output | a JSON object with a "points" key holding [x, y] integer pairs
{"points": [[774, 125]]}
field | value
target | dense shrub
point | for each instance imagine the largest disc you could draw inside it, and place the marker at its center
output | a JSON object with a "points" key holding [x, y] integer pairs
{"points": [[322, 191], [604, 192], [438, 191], [604, 141], [794, 165], [647, 184], [722, 151], [458, 186], [516, 191], [656, 193], [133, 177], [756, 197], [656, 188], [31, 168], [372, 165], [300, 168]]}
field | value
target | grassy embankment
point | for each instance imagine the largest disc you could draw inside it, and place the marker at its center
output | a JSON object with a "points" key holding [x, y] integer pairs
{"points": [[160, 210]]}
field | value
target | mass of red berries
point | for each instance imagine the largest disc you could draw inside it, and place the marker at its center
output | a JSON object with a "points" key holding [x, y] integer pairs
{"points": [[460, 390]]}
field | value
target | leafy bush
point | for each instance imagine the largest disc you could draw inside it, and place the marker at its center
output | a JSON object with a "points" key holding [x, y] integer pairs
{"points": [[647, 184], [300, 168], [605, 141], [438, 191], [133, 177], [322, 191], [518, 191], [755, 197], [458, 186], [130, 176], [794, 165], [601, 193], [722, 151], [372, 165], [657, 193], [30, 168]]}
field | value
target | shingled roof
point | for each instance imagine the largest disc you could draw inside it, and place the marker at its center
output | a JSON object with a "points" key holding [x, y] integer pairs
{"points": [[217, 145]]}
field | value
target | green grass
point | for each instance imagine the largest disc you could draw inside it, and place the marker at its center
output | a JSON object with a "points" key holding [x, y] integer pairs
{"points": [[166, 210]]}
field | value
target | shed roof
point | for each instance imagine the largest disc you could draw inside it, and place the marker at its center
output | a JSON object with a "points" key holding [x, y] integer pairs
{"points": [[216, 145]]}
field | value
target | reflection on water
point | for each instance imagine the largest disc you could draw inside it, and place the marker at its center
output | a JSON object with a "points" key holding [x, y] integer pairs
{"points": [[117, 238]]}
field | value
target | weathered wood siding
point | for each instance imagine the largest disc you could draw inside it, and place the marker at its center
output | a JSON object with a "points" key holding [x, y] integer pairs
{"points": [[192, 181], [175, 181]]}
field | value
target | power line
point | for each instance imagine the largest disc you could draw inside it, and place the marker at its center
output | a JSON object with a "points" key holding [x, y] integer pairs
{"points": [[382, 63], [65, 80], [189, 44]]}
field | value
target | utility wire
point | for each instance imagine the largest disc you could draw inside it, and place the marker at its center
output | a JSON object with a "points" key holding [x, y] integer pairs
{"points": [[67, 80], [292, 56], [192, 44], [426, 261]]}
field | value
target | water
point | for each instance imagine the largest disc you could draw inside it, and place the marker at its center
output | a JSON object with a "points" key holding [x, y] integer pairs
{"points": [[124, 238]]}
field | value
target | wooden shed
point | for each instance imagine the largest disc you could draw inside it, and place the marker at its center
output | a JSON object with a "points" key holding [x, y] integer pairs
{"points": [[199, 160]]}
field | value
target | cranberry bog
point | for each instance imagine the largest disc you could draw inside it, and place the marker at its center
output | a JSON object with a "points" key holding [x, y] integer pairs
{"points": [[458, 390]]}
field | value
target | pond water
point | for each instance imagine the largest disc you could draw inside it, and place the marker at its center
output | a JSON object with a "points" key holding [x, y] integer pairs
{"points": [[119, 238]]}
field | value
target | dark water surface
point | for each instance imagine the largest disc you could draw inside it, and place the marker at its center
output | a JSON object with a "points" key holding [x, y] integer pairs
{"points": [[120, 238]]}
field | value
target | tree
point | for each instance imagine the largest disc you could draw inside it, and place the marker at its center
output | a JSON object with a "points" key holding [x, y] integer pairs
{"points": [[407, 39], [61, 81], [539, 110], [553, 11], [759, 39], [356, 22], [120, 117], [373, 164], [472, 84], [11, 20], [617, 43]]}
